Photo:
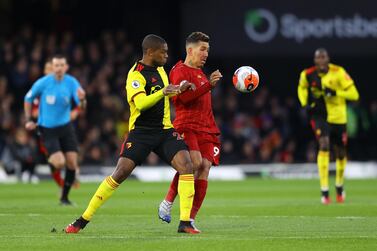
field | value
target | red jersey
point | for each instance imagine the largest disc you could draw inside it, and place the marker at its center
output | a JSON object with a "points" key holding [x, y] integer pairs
{"points": [[193, 108]]}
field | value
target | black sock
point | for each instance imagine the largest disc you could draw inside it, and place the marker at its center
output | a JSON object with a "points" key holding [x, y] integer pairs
{"points": [[80, 222], [68, 181], [339, 190], [325, 194], [52, 168]]}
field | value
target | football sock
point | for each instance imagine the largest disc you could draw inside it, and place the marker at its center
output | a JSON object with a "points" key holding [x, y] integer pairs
{"points": [[325, 193], [323, 160], [340, 166], [186, 193], [173, 189], [200, 193], [56, 175], [104, 191], [68, 181], [339, 190]]}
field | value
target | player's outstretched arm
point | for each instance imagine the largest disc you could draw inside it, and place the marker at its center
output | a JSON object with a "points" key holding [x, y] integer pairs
{"points": [[144, 102], [190, 95]]}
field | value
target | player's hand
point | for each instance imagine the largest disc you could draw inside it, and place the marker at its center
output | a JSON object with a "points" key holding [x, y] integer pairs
{"points": [[215, 77], [171, 90], [30, 125], [329, 92], [186, 85]]}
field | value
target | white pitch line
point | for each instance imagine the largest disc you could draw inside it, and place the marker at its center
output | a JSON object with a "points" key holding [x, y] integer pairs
{"points": [[190, 237], [292, 216]]}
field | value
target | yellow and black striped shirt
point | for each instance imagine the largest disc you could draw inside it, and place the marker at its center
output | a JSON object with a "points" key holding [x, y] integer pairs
{"points": [[149, 107], [336, 79]]}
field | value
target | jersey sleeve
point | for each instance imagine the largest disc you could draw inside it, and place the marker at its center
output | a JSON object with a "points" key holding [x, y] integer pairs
{"points": [[35, 90], [302, 90], [176, 76], [345, 80], [135, 84], [348, 89]]}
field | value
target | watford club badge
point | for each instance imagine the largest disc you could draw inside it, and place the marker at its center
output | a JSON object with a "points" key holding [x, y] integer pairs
{"points": [[318, 132]]}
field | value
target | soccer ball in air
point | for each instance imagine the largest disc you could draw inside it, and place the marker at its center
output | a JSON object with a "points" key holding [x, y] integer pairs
{"points": [[246, 79]]}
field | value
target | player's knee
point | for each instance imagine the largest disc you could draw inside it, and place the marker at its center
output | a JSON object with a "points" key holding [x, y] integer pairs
{"points": [[206, 167], [187, 167], [203, 172], [197, 164], [57, 161], [324, 144], [341, 153]]}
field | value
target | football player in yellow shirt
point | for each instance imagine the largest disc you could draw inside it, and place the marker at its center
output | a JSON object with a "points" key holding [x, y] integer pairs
{"points": [[324, 90], [148, 92]]}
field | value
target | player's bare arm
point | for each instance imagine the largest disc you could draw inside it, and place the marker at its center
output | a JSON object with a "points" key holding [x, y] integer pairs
{"points": [[29, 125]]}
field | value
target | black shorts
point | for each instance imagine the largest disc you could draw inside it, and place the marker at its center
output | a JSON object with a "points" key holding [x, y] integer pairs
{"points": [[140, 142], [61, 138], [320, 127], [336, 132]]}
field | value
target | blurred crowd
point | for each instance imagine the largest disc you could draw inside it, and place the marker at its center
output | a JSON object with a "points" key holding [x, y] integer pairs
{"points": [[259, 128]]}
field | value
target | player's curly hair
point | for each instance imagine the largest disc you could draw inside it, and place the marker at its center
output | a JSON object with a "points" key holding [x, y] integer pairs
{"points": [[197, 36]]}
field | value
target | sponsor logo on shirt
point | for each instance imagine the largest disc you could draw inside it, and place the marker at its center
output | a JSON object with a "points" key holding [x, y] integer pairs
{"points": [[50, 99]]}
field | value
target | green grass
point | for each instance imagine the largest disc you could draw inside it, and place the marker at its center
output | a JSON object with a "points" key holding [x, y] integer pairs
{"points": [[254, 214]]}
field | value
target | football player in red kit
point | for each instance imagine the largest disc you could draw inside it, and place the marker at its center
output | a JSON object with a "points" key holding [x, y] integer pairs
{"points": [[194, 121]]}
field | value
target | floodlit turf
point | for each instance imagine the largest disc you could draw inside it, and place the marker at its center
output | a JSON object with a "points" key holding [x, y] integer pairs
{"points": [[254, 214]]}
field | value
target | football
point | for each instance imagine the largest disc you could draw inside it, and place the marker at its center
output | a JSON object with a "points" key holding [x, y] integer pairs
{"points": [[246, 79]]}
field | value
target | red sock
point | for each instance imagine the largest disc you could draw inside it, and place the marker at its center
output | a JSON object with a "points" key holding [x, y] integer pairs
{"points": [[173, 189], [58, 178], [200, 193]]}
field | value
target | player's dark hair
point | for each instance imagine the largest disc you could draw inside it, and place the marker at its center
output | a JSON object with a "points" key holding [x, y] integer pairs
{"points": [[58, 56], [321, 50], [196, 37], [152, 41]]}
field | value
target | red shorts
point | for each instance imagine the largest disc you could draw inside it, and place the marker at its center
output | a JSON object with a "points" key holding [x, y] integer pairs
{"points": [[207, 144]]}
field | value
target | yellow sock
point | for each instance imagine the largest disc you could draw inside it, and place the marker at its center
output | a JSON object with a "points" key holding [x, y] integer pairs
{"points": [[323, 161], [186, 193], [340, 166], [104, 191]]}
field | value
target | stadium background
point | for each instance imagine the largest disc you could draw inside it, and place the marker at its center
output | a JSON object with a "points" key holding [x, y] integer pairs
{"points": [[103, 40]]}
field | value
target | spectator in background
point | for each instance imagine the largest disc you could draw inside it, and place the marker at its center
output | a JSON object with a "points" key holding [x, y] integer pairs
{"points": [[23, 151], [100, 66]]}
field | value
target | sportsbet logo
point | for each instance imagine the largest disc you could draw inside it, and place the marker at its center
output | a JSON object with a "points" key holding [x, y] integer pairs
{"points": [[262, 26]]}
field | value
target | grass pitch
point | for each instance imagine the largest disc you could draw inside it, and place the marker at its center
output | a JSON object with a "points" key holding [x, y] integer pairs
{"points": [[254, 214]]}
